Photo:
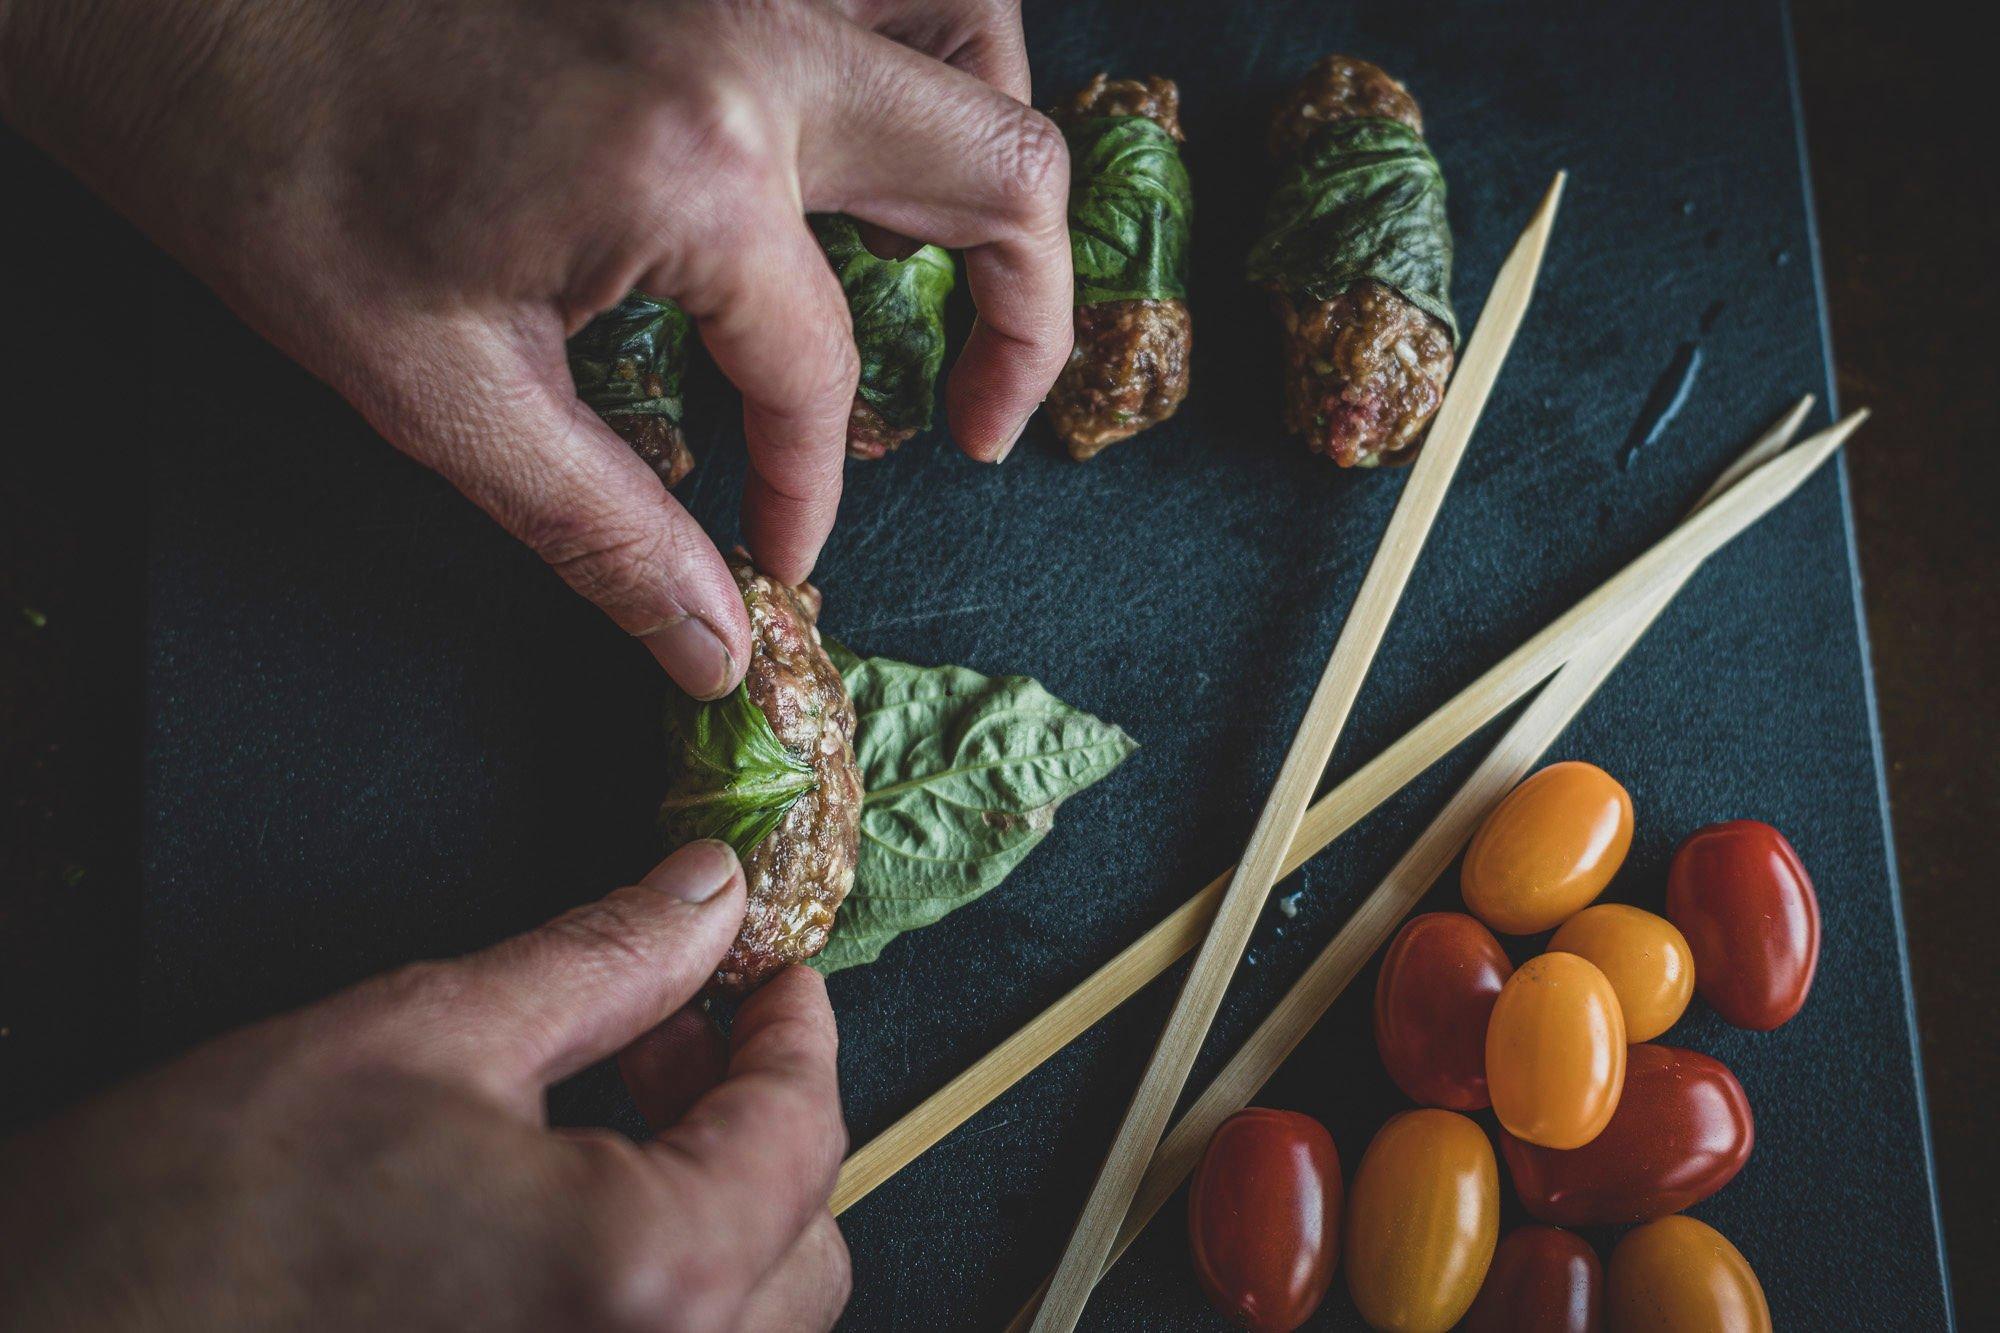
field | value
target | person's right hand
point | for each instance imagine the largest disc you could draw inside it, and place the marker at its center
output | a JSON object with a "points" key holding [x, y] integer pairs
{"points": [[381, 1160], [419, 202]]}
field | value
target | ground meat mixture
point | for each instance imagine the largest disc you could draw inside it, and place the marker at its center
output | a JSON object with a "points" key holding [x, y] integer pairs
{"points": [[1153, 97], [1364, 373], [799, 874], [1128, 368], [659, 442], [1365, 370], [868, 435]]}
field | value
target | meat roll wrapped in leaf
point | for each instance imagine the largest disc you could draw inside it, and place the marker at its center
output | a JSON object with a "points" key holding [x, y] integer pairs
{"points": [[1357, 252], [770, 769], [1130, 212], [628, 365], [898, 311]]}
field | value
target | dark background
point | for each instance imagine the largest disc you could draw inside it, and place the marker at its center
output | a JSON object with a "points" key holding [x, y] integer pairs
{"points": [[95, 378]]}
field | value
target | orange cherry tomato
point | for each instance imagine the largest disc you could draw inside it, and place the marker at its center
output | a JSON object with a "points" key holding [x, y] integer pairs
{"points": [[1678, 1275], [1752, 919], [1548, 849], [1421, 1221], [1644, 957], [1555, 1052], [1435, 992], [1264, 1218]]}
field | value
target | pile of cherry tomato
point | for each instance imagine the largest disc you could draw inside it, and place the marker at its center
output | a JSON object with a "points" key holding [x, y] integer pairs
{"points": [[1597, 1125]]}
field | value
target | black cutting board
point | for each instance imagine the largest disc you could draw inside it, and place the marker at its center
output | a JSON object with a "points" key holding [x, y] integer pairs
{"points": [[379, 730]]}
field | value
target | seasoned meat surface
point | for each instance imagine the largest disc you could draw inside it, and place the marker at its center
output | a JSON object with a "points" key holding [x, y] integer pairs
{"points": [[1128, 368], [1339, 88], [1364, 370], [1155, 98], [659, 442], [868, 435], [798, 875]]}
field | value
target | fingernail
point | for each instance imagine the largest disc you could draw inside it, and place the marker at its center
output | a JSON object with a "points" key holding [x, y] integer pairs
{"points": [[1012, 440], [695, 873], [694, 657]]}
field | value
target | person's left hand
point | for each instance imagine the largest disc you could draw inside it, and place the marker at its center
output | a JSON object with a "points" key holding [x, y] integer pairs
{"points": [[382, 1159]]}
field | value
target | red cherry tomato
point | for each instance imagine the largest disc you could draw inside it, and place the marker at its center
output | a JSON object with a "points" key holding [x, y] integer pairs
{"points": [[1264, 1218], [1543, 1280], [1438, 984], [1681, 1132], [1746, 905]]}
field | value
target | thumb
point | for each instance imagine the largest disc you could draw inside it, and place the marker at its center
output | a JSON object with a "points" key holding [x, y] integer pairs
{"points": [[538, 1007]]}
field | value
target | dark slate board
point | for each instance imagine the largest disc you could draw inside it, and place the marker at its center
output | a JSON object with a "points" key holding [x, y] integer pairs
{"points": [[378, 730]]}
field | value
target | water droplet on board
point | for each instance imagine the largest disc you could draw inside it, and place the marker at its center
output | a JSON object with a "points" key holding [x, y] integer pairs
{"points": [[1780, 258], [1670, 394], [1687, 208]]}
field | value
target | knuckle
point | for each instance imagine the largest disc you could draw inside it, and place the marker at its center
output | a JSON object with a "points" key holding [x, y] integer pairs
{"points": [[1032, 166], [608, 926], [621, 566]]}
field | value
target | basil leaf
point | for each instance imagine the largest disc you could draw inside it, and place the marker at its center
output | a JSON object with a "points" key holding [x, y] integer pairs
{"points": [[630, 360], [1364, 200], [963, 774], [1130, 211], [733, 778], [898, 311]]}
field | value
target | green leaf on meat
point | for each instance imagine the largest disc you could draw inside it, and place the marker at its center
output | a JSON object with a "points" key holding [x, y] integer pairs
{"points": [[898, 311], [630, 360], [734, 778], [963, 774], [1130, 211], [1364, 200]]}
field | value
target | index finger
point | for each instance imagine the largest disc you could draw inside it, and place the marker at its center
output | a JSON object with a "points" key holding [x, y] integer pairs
{"points": [[761, 1150], [933, 152]]}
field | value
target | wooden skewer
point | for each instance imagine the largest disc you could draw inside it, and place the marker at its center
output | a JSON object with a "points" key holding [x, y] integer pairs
{"points": [[1342, 959], [878, 1161], [1236, 915]]}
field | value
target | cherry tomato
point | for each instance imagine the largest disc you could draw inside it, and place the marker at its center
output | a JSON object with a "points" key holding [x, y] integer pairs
{"points": [[1421, 1221], [1646, 960], [1678, 1275], [1543, 1280], [1436, 991], [1548, 849], [1264, 1218], [1555, 1052], [1738, 892], [1681, 1132]]}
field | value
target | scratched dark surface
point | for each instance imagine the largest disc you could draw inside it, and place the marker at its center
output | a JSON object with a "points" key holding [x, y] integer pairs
{"points": [[379, 730]]}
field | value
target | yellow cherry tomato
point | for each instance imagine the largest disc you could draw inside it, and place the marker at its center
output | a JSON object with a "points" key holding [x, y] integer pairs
{"points": [[1555, 1052], [1422, 1220], [1645, 957], [1678, 1275], [1548, 849]]}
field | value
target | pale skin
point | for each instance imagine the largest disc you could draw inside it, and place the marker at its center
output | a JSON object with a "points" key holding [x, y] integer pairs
{"points": [[419, 202]]}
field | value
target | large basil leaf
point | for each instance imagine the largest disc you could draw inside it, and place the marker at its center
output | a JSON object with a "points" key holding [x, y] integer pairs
{"points": [[963, 774], [733, 778], [630, 360], [1130, 211], [1364, 200], [898, 311]]}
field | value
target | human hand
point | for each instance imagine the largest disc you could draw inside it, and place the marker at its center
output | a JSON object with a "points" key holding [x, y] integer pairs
{"points": [[420, 202], [380, 1159]]}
